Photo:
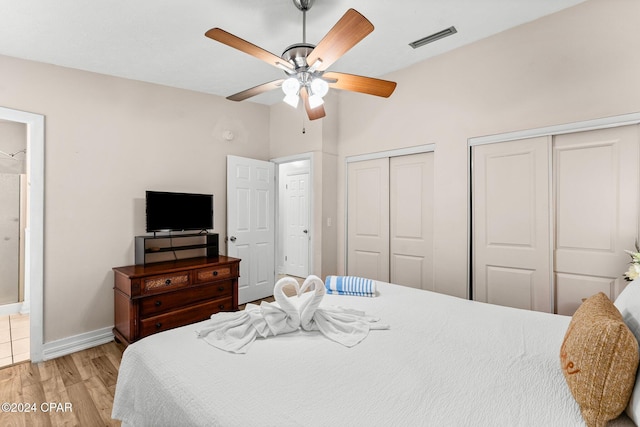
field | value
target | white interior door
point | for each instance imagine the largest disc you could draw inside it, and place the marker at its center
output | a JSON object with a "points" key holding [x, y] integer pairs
{"points": [[368, 219], [250, 225], [511, 224], [411, 220], [596, 212], [297, 225]]}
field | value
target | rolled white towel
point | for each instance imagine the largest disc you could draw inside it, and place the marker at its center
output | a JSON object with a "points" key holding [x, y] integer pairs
{"points": [[350, 285]]}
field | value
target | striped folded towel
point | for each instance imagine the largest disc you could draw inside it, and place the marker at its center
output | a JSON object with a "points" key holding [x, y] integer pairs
{"points": [[349, 285]]}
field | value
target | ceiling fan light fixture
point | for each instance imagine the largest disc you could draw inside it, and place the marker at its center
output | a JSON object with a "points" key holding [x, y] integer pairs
{"points": [[315, 101], [292, 100], [291, 86], [319, 87]]}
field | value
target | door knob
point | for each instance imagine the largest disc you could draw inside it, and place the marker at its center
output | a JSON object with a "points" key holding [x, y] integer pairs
{"points": [[232, 238], [305, 231]]}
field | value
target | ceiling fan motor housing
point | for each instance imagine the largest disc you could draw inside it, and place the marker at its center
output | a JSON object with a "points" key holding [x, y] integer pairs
{"points": [[296, 54]]}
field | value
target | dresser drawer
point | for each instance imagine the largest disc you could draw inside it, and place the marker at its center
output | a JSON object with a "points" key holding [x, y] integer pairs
{"points": [[183, 316], [165, 282], [153, 305], [208, 274]]}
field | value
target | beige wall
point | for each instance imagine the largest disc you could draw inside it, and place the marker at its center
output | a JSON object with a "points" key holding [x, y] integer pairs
{"points": [[579, 64], [107, 141]]}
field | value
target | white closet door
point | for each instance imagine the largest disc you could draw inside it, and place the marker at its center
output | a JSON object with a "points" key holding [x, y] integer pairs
{"points": [[368, 219], [411, 221], [596, 201], [511, 224]]}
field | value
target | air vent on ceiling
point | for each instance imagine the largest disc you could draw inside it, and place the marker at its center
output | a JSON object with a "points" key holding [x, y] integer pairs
{"points": [[433, 37]]}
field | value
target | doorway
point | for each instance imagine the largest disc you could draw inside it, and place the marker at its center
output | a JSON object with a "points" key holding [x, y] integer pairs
{"points": [[14, 319], [256, 219], [33, 237]]}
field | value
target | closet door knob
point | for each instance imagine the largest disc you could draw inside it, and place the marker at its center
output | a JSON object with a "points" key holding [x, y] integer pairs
{"points": [[232, 238]]}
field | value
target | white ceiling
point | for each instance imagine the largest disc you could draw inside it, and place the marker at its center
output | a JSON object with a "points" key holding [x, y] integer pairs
{"points": [[162, 41]]}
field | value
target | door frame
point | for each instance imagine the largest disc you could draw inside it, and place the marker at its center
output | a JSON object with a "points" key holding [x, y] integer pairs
{"points": [[34, 236], [312, 228], [418, 149], [573, 127]]}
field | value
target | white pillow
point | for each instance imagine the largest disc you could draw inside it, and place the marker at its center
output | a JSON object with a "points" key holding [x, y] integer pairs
{"points": [[628, 303]]}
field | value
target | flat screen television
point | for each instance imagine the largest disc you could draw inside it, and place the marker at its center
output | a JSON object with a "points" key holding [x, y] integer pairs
{"points": [[167, 211]]}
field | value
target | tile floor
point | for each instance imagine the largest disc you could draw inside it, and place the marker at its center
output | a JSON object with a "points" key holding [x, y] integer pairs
{"points": [[14, 339]]}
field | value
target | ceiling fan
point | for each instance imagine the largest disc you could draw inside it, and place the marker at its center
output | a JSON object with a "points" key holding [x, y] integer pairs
{"points": [[306, 64]]}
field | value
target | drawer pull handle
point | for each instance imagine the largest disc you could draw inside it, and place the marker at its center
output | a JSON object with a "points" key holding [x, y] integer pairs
{"points": [[220, 288], [215, 273], [167, 282], [221, 306], [158, 303], [158, 325]]}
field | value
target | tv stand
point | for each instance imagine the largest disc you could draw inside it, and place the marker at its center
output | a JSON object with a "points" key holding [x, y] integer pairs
{"points": [[172, 247]]}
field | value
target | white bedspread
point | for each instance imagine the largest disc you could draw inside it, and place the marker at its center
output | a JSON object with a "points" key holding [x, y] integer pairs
{"points": [[444, 362]]}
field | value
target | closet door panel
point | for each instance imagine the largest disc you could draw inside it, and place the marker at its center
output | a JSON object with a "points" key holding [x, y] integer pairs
{"points": [[511, 224], [572, 288], [596, 212], [368, 219], [411, 221], [513, 287]]}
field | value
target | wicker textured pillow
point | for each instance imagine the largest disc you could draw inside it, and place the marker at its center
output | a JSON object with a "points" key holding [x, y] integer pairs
{"points": [[599, 358]]}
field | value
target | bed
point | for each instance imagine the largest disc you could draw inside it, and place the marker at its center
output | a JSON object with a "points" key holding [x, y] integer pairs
{"points": [[445, 361]]}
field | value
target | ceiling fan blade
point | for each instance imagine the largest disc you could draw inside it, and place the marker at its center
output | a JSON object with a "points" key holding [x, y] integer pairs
{"points": [[242, 45], [347, 32], [316, 113], [361, 84], [257, 90]]}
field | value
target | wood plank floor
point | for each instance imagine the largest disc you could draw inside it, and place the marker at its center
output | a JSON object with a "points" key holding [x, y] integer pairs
{"points": [[73, 390]]}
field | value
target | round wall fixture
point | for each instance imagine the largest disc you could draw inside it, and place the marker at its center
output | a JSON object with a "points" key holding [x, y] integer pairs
{"points": [[227, 135]]}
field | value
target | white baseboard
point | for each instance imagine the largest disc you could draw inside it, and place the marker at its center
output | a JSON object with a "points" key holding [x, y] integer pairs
{"points": [[69, 345]]}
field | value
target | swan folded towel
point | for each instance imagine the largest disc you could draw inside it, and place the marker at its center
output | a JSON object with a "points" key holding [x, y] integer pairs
{"points": [[236, 331], [350, 285]]}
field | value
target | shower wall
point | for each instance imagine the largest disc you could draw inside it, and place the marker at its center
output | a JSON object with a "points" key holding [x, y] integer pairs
{"points": [[9, 238], [13, 137]]}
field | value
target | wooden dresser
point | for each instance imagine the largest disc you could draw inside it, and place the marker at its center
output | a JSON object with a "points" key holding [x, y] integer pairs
{"points": [[155, 297]]}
